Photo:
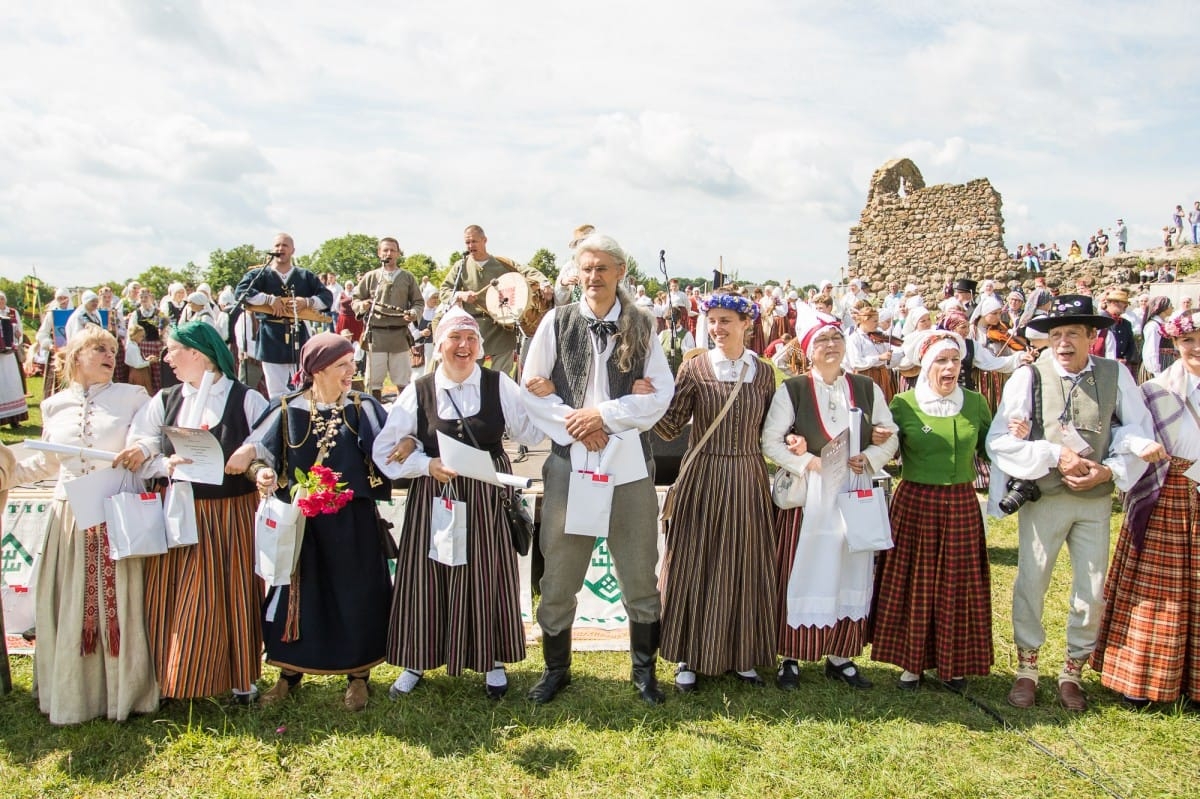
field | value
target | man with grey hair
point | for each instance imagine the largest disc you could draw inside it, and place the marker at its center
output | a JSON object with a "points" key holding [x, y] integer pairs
{"points": [[580, 373]]}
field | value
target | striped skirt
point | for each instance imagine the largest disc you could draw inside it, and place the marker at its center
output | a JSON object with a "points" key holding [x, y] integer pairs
{"points": [[717, 577], [883, 377], [932, 607], [462, 617], [1149, 641], [991, 386], [846, 638], [202, 605]]}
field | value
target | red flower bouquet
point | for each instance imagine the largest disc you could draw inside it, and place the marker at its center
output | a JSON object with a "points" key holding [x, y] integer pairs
{"points": [[320, 492]]}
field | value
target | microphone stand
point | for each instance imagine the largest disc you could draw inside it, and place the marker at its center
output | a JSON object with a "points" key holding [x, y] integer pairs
{"points": [[662, 266]]}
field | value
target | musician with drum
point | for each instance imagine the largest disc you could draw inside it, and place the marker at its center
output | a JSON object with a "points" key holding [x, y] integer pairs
{"points": [[498, 303], [388, 299], [282, 297]]}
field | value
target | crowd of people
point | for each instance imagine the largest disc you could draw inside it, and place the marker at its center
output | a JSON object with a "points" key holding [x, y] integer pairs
{"points": [[1045, 400]]}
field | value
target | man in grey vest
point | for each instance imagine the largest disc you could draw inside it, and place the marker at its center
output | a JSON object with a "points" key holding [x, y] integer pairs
{"points": [[590, 354], [1069, 427]]}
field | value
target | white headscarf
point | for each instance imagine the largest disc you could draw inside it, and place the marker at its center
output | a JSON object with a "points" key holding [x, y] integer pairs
{"points": [[931, 344]]}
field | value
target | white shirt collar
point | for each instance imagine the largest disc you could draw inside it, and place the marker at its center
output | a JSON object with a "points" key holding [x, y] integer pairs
{"points": [[444, 383], [1061, 372], [220, 387], [612, 316]]}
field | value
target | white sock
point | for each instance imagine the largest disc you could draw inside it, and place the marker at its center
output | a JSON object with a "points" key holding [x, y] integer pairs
{"points": [[685, 676], [407, 680], [908, 676], [839, 662], [496, 677], [748, 674]]}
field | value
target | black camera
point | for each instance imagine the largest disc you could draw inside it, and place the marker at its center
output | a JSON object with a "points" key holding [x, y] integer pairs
{"points": [[1018, 492]]}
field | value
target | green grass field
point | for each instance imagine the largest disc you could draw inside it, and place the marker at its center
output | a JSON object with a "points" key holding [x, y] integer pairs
{"points": [[598, 740]]}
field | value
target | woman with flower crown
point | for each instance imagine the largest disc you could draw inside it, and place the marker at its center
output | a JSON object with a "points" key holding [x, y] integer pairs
{"points": [[719, 568], [202, 600], [332, 617], [464, 616]]}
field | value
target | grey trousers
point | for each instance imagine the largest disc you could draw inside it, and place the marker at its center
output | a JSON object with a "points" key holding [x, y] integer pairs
{"points": [[1043, 527], [632, 540]]}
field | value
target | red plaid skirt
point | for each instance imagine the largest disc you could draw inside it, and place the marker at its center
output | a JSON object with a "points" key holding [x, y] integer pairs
{"points": [[1149, 641], [932, 606]]}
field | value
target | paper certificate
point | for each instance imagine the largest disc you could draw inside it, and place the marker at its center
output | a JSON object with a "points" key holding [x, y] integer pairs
{"points": [[835, 467], [203, 450], [475, 463]]}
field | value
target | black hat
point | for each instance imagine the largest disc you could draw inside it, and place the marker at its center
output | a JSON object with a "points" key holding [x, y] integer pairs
{"points": [[965, 284], [1071, 309]]}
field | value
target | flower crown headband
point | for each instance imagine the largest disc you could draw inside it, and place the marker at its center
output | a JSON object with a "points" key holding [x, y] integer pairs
{"points": [[1181, 325], [731, 302]]}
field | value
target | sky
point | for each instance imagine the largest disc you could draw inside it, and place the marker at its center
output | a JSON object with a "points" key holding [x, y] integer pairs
{"points": [[135, 133]]}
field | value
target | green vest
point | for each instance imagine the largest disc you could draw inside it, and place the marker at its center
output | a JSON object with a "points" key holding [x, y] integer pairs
{"points": [[1093, 406]]}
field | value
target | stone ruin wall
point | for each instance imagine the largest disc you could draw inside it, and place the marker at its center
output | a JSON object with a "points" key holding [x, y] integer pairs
{"points": [[932, 235], [909, 232]]}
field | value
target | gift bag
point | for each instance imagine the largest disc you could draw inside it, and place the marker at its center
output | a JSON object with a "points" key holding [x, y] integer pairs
{"points": [[865, 514], [136, 525], [448, 531], [179, 511], [278, 534], [589, 504]]}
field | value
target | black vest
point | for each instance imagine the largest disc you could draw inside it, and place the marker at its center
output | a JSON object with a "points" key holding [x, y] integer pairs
{"points": [[231, 431], [487, 425]]}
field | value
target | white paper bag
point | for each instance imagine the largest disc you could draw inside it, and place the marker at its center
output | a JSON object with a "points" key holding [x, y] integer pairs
{"points": [[448, 531], [136, 526], [865, 514], [179, 511], [589, 504], [278, 534]]}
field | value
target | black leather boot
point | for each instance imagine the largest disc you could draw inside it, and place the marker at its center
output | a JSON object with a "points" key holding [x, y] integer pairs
{"points": [[643, 651], [556, 649]]}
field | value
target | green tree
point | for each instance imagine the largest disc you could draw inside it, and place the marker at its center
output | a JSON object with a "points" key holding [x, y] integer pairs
{"points": [[422, 265], [226, 267], [14, 291], [349, 257], [545, 262], [158, 278]]}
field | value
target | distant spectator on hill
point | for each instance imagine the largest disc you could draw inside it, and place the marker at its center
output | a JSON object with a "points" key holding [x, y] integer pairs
{"points": [[1166, 274], [1102, 242], [1148, 274], [1122, 235], [1093, 247], [1168, 237], [1053, 254], [1075, 253], [1177, 224], [1194, 221]]}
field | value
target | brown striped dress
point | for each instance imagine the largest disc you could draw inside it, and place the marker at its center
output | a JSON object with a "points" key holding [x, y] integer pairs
{"points": [[718, 571], [463, 617], [202, 601]]}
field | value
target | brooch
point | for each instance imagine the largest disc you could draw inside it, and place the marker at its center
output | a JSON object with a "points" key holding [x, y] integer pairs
{"points": [[926, 429]]}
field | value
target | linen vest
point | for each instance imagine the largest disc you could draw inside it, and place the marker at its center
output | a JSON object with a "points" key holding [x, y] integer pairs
{"points": [[808, 418], [573, 343], [1093, 408]]}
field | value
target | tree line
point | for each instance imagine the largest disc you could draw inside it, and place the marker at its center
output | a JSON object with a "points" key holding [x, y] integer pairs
{"points": [[349, 257]]}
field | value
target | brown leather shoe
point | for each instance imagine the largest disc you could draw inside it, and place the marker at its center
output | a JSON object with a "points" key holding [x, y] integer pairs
{"points": [[1023, 693], [1070, 696], [356, 695], [279, 692]]}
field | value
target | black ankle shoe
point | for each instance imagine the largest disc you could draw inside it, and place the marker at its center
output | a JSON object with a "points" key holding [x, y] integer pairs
{"points": [[553, 681], [789, 675], [754, 680], [847, 673]]}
